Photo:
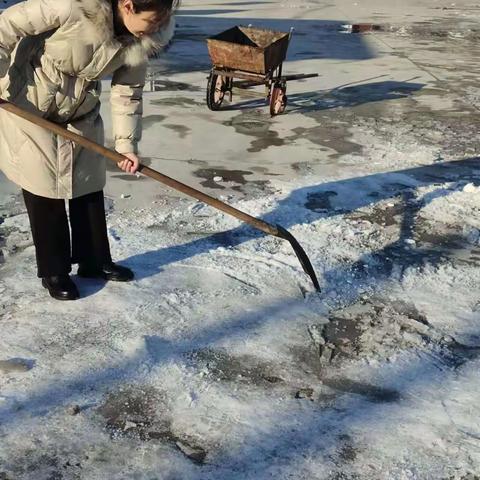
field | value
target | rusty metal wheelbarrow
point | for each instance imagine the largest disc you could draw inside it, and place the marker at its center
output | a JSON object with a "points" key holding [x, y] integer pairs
{"points": [[255, 56]]}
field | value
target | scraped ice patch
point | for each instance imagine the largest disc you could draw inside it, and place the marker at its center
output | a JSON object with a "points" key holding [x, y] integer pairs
{"points": [[381, 329], [16, 365], [221, 366], [140, 411]]}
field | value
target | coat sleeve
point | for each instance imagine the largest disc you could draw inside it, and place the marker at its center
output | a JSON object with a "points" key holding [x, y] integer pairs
{"points": [[31, 17], [126, 94], [127, 107]]}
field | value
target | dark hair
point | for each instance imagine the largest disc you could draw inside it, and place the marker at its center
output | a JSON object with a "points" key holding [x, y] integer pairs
{"points": [[160, 5]]}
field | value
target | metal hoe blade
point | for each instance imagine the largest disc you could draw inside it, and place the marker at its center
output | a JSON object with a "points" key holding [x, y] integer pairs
{"points": [[301, 255]]}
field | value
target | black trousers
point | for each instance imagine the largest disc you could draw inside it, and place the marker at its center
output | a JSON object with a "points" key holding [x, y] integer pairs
{"points": [[51, 235]]}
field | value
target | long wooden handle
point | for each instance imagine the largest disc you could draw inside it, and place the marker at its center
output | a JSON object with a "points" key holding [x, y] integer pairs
{"points": [[150, 172]]}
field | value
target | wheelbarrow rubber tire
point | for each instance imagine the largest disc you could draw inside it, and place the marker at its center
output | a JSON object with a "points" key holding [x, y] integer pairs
{"points": [[214, 94], [278, 100]]}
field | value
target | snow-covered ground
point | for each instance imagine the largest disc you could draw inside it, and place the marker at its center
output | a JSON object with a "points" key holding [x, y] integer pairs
{"points": [[220, 361]]}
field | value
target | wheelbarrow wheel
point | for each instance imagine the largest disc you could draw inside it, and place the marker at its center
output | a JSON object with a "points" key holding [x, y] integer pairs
{"points": [[278, 99], [216, 89]]}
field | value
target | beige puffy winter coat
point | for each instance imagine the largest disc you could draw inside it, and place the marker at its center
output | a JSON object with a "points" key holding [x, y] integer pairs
{"points": [[52, 55]]}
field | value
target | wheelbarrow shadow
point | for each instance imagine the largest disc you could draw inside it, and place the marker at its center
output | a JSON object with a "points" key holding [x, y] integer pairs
{"points": [[342, 96], [351, 96]]}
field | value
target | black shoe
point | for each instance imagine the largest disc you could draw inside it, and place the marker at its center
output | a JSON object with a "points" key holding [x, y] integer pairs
{"points": [[61, 287], [108, 271]]}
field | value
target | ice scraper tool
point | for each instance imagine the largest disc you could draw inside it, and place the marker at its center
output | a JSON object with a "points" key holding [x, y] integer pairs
{"points": [[275, 230]]}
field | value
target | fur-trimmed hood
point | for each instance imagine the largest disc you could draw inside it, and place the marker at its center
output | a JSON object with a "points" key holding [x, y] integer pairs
{"points": [[99, 15]]}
